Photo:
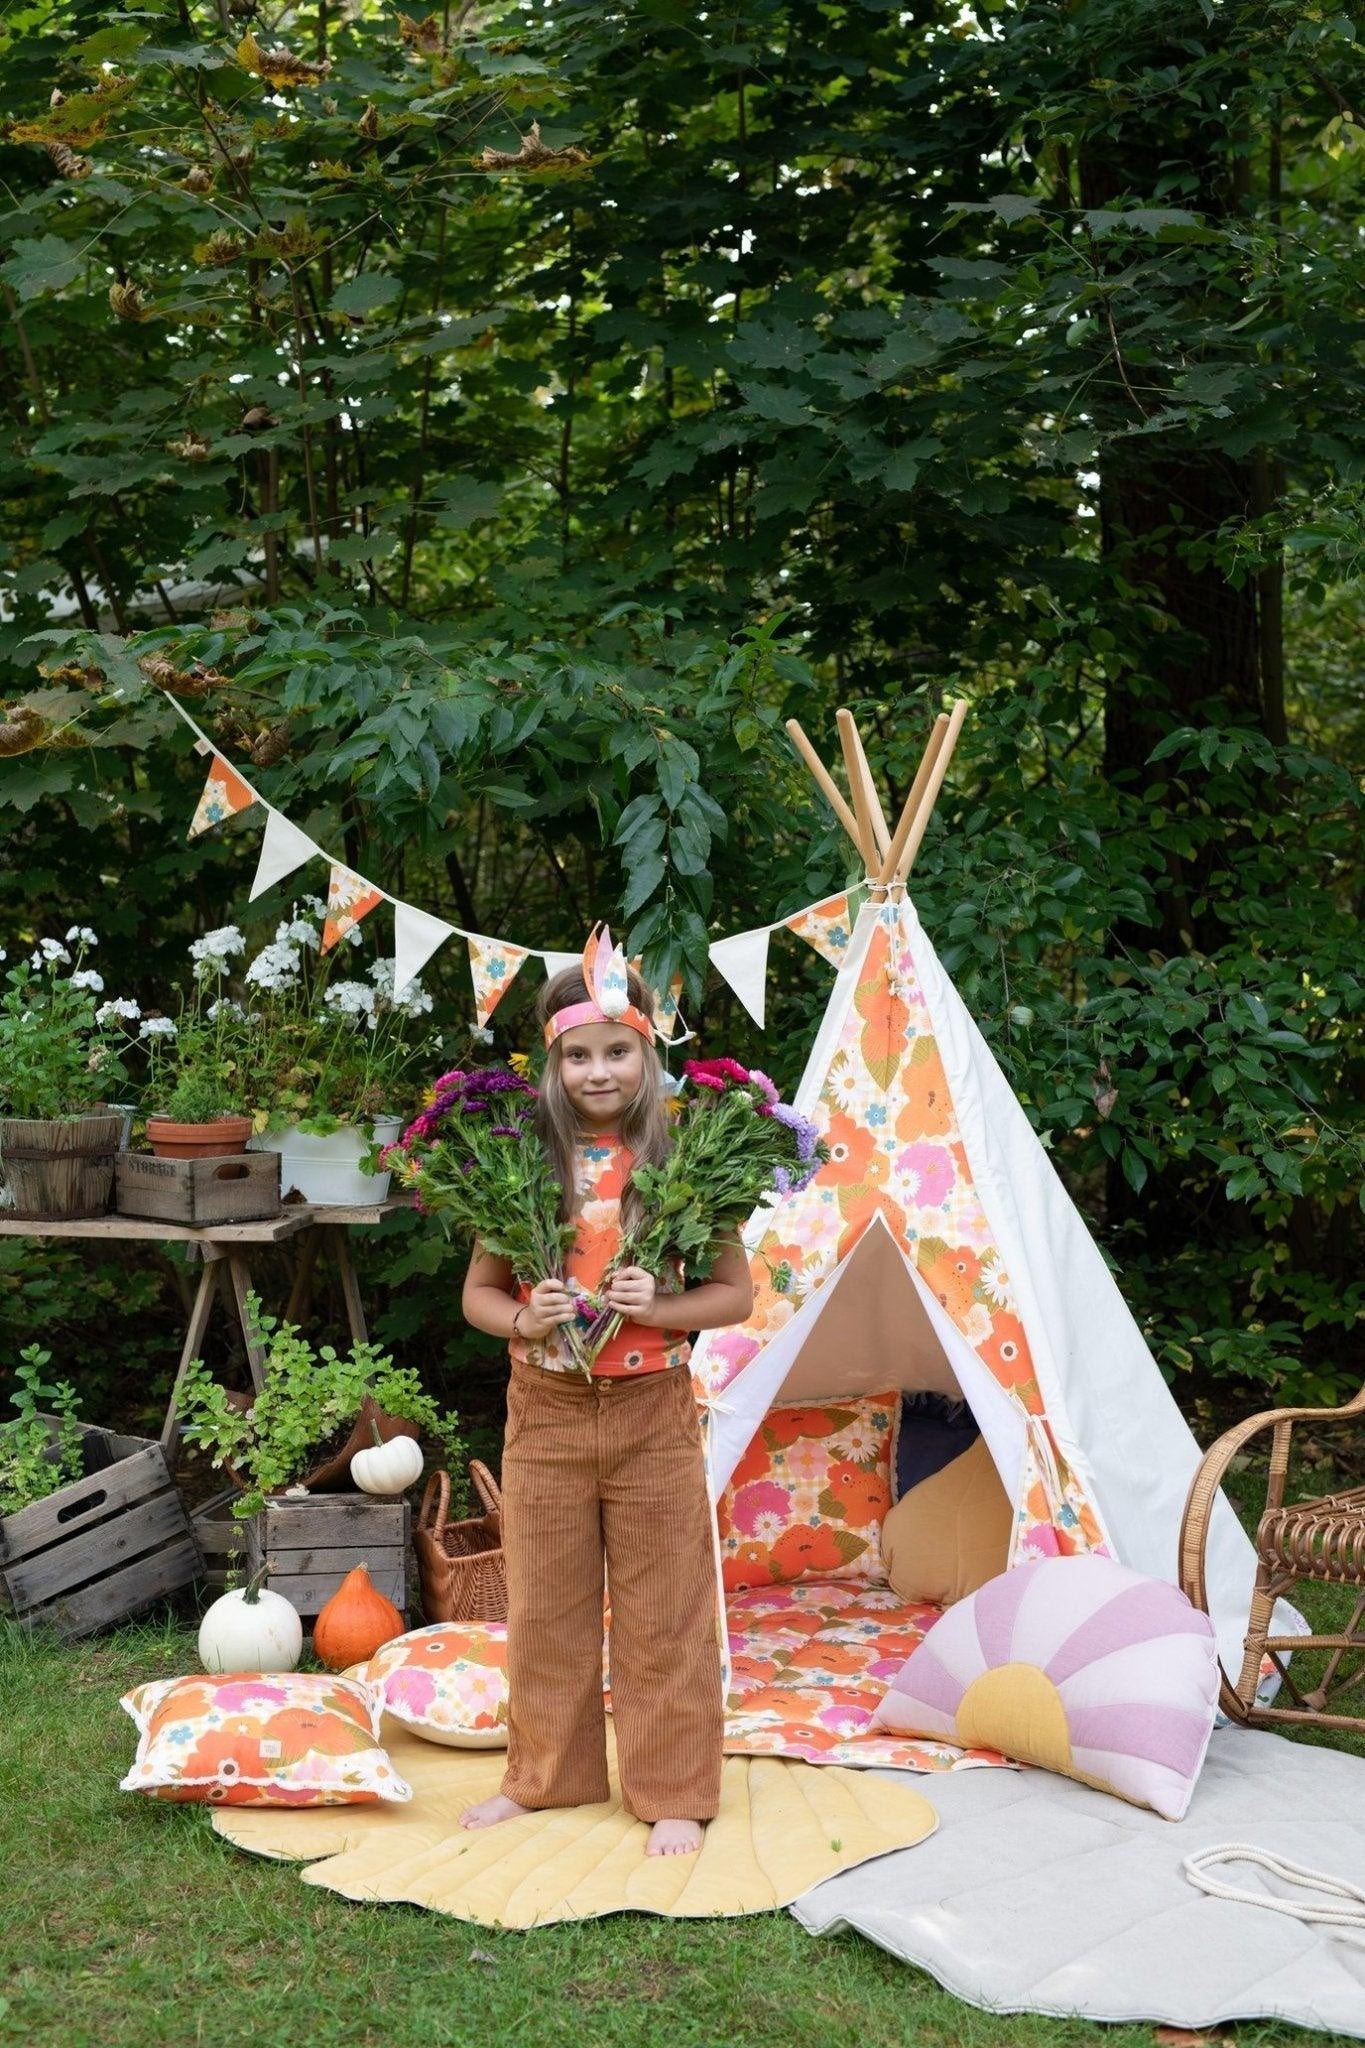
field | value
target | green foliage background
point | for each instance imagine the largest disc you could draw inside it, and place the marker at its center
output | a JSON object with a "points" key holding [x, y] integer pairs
{"points": [[494, 426]]}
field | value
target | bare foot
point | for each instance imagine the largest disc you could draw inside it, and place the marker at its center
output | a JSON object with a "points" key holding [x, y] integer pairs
{"points": [[674, 1838], [489, 1812]]}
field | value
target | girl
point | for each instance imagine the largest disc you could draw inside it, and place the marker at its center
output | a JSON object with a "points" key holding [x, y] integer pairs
{"points": [[608, 1467]]}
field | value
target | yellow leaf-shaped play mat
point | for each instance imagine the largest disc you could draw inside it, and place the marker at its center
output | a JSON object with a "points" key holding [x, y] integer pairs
{"points": [[782, 1828]]}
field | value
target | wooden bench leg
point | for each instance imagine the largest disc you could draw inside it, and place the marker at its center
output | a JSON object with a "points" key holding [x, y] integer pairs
{"points": [[240, 1274], [200, 1312], [350, 1286], [304, 1263]]}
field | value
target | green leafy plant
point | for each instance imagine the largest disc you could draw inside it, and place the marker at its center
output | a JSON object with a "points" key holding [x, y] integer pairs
{"points": [[306, 1408], [33, 1461], [57, 1056]]}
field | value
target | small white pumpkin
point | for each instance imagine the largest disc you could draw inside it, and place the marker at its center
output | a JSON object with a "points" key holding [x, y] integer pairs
{"points": [[251, 1629], [389, 1467]]}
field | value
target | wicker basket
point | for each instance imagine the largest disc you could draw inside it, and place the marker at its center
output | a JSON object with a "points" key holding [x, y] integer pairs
{"points": [[461, 1564]]}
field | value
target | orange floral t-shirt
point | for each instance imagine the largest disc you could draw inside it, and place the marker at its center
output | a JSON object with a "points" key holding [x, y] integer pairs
{"points": [[603, 1168]]}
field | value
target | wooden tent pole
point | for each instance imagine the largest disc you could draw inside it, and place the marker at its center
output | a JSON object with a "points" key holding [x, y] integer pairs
{"points": [[825, 783], [910, 808], [932, 788], [866, 802]]}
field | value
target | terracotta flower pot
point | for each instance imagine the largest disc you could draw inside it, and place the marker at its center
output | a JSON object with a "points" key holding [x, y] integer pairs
{"points": [[217, 1140], [333, 1475]]}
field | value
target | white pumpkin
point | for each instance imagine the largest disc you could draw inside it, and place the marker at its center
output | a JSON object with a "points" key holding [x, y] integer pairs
{"points": [[251, 1629], [389, 1467]]}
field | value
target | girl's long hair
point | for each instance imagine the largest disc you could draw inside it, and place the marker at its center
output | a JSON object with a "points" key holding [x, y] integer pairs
{"points": [[644, 1124]]}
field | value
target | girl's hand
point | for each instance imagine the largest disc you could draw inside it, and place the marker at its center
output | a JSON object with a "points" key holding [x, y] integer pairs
{"points": [[550, 1305], [631, 1292]]}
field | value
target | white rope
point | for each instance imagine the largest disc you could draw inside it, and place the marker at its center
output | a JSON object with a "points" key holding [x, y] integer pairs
{"points": [[1339, 1904]]}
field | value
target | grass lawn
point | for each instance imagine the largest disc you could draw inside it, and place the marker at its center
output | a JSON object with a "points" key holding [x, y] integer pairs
{"points": [[128, 1924]]}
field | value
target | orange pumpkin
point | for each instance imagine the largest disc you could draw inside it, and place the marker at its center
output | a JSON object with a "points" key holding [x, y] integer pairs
{"points": [[357, 1621]]}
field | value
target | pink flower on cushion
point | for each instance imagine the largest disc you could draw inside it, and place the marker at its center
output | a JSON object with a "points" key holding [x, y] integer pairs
{"points": [[931, 1169], [412, 1688], [764, 1497], [230, 1699], [808, 1462], [845, 1719], [482, 1692]]}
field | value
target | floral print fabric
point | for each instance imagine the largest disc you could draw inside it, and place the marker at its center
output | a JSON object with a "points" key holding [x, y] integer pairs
{"points": [[827, 926], [809, 1666], [809, 1496], [447, 1682], [493, 966], [293, 1738], [224, 795], [349, 898], [887, 1115]]}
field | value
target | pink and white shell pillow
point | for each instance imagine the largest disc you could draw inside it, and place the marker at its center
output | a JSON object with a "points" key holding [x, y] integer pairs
{"points": [[1077, 1664]]}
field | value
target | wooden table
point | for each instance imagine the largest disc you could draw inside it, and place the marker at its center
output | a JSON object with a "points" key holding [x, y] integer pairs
{"points": [[230, 1248]]}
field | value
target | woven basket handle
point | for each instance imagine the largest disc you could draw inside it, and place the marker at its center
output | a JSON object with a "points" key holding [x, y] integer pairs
{"points": [[485, 1485], [435, 1521]]}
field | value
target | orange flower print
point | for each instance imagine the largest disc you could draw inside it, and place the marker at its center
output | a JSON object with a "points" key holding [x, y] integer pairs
{"points": [[1006, 1350], [804, 1552], [928, 1110], [748, 1565], [300, 1732], [953, 1276], [852, 1148], [856, 1494], [227, 1751]]}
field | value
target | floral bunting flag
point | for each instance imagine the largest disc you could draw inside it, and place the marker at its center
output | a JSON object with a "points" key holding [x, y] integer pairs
{"points": [[349, 898], [224, 794], [494, 965], [667, 1016], [827, 926]]}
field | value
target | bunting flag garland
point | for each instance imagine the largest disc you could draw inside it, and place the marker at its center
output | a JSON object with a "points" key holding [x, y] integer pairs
{"points": [[349, 898], [283, 849], [225, 794], [416, 936], [742, 961], [827, 926], [494, 965]]}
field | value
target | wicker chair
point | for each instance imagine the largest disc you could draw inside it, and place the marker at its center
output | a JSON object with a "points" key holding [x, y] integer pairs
{"points": [[1321, 1540]]}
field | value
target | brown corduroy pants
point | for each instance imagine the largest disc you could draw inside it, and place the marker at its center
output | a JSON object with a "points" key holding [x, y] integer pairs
{"points": [[610, 1469]]}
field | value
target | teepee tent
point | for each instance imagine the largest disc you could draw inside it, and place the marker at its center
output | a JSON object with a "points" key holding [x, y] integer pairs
{"points": [[938, 1250]]}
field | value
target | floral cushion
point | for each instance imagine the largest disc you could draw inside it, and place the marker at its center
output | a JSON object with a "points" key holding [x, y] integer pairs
{"points": [[447, 1682], [808, 1498], [292, 1738]]}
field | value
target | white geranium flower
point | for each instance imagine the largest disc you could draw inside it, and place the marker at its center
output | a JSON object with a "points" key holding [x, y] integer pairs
{"points": [[352, 998], [381, 974], [120, 1006], [415, 1002], [212, 952], [49, 952], [157, 1027], [275, 967], [224, 1007], [314, 905], [87, 978], [80, 935], [481, 1035], [296, 931]]}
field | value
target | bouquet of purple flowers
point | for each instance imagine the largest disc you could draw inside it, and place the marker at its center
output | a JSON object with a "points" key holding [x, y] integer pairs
{"points": [[473, 1158], [735, 1143]]}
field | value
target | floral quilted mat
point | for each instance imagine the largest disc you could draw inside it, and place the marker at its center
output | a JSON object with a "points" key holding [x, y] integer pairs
{"points": [[810, 1662]]}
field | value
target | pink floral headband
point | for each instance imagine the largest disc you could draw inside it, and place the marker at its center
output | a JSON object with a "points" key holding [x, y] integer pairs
{"points": [[605, 973]]}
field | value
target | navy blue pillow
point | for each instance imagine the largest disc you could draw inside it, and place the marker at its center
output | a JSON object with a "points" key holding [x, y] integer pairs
{"points": [[934, 1430]]}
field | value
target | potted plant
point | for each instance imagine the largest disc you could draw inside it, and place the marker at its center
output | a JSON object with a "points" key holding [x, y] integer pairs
{"points": [[332, 1061], [315, 1410], [198, 1065], [59, 1063]]}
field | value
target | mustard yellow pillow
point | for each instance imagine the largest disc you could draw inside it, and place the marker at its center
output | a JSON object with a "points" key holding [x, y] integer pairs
{"points": [[951, 1533]]}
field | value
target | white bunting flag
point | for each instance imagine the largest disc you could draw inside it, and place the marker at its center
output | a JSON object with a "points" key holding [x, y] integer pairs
{"points": [[283, 849], [416, 936], [555, 963], [743, 962]]}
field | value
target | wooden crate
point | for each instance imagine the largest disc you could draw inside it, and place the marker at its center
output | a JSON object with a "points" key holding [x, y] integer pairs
{"points": [[222, 1539], [98, 1550], [240, 1189], [313, 1542]]}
